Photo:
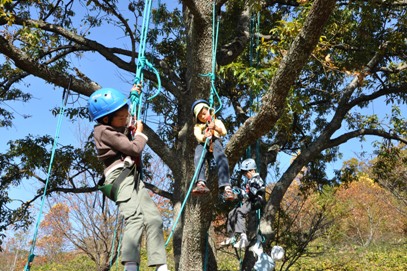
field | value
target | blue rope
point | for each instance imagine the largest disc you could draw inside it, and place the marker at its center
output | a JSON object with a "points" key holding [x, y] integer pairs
{"points": [[215, 27], [142, 62], [206, 252], [58, 129], [211, 75], [201, 159], [113, 240]]}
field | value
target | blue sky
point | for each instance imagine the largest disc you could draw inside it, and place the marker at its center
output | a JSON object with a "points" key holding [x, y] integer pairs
{"points": [[46, 97]]}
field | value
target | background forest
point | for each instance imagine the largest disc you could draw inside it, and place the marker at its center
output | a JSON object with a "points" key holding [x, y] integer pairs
{"points": [[358, 225], [291, 78]]}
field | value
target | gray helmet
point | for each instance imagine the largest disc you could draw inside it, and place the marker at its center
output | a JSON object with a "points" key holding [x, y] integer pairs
{"points": [[248, 164]]}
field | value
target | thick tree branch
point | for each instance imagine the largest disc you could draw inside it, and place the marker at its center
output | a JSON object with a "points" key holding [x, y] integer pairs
{"points": [[26, 63], [382, 92], [290, 67], [361, 132], [193, 9], [90, 45], [160, 148], [158, 191], [229, 52]]}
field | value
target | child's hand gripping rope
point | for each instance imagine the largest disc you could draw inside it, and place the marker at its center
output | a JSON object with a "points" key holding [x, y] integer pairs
{"points": [[134, 124]]}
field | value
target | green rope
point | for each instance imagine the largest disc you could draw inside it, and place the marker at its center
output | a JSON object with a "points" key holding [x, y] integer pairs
{"points": [[54, 147]]}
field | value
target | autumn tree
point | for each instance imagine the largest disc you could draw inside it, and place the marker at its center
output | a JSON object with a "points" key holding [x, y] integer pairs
{"points": [[319, 64], [367, 214], [51, 241], [389, 170]]}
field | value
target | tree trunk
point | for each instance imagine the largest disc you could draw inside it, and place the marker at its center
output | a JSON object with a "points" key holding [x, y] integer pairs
{"points": [[196, 214]]}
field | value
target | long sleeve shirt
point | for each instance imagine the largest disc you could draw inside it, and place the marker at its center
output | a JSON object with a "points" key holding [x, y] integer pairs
{"points": [[199, 130], [112, 145]]}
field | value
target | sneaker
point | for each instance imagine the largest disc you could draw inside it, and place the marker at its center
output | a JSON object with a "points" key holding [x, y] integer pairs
{"points": [[200, 188], [162, 267], [228, 194], [242, 243], [257, 248], [226, 242]]}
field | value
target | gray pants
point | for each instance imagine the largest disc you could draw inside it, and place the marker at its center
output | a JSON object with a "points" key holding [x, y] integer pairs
{"points": [[140, 213], [221, 160], [237, 218]]}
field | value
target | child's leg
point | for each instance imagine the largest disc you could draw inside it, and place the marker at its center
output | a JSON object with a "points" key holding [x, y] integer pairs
{"points": [[222, 164], [240, 218], [198, 153], [133, 228], [154, 229], [231, 222]]}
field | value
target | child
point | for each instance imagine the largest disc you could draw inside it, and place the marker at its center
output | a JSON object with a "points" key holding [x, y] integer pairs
{"points": [[109, 108], [252, 199], [206, 128]]}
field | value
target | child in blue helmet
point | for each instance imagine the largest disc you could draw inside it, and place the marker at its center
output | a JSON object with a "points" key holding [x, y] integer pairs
{"points": [[252, 198], [119, 152], [206, 127]]}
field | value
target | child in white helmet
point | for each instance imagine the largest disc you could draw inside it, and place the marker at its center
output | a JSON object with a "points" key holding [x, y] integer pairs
{"points": [[252, 197], [207, 127], [121, 154]]}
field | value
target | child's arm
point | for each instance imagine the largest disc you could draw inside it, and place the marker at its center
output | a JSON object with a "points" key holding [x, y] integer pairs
{"points": [[218, 126], [198, 128], [121, 143]]}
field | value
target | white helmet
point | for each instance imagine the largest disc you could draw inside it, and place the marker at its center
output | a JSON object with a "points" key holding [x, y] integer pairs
{"points": [[248, 164]]}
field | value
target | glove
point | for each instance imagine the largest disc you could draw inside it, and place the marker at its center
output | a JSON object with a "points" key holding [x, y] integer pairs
{"points": [[258, 203]]}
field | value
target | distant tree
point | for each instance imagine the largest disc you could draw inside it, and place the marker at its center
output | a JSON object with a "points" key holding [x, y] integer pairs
{"points": [[389, 170], [51, 239], [15, 251], [88, 228], [366, 213], [305, 216]]}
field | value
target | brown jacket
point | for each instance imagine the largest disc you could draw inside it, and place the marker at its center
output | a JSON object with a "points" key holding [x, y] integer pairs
{"points": [[113, 145]]}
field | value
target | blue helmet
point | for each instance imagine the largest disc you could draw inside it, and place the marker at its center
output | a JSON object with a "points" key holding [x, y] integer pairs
{"points": [[105, 101]]}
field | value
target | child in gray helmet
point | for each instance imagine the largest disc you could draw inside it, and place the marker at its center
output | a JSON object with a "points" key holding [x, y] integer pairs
{"points": [[252, 196]]}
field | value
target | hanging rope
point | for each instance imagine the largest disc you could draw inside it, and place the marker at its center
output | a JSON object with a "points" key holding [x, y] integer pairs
{"points": [[54, 147], [253, 45], [213, 93], [136, 97], [113, 240]]}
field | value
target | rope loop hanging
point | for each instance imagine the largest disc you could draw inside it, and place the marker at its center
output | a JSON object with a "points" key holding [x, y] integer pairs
{"points": [[211, 75], [136, 98]]}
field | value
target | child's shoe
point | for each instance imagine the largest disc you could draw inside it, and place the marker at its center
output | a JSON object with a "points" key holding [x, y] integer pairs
{"points": [[162, 267], [226, 242], [200, 188], [242, 243], [228, 193]]}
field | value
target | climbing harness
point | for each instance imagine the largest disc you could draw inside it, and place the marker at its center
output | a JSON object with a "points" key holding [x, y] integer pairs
{"points": [[213, 93], [58, 129]]}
